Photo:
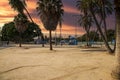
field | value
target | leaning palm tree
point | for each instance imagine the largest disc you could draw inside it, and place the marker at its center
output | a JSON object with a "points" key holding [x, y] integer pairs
{"points": [[19, 6], [21, 24], [50, 12], [116, 72], [90, 5], [104, 9], [21, 19]]}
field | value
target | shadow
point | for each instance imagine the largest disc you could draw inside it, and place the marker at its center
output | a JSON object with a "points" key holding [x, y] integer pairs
{"points": [[94, 50], [72, 73], [19, 68], [4, 47]]}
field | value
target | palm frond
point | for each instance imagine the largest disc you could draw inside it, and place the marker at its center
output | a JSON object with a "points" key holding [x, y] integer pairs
{"points": [[50, 12]]}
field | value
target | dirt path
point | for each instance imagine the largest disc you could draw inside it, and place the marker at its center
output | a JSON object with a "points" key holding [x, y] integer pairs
{"points": [[60, 64]]}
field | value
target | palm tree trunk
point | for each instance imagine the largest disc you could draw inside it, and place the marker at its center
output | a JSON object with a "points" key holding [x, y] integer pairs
{"points": [[60, 33], [60, 25], [55, 37], [42, 38], [87, 39], [115, 39], [20, 40], [104, 20], [87, 29], [116, 72], [118, 38], [50, 37], [88, 32], [96, 31], [101, 33], [105, 29], [29, 14]]}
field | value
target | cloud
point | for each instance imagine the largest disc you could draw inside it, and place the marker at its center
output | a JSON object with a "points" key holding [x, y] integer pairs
{"points": [[70, 9], [69, 21]]}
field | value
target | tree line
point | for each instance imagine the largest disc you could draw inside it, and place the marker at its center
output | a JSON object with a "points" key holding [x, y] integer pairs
{"points": [[95, 36]]}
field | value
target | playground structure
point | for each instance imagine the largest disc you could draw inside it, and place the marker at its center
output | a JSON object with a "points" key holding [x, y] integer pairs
{"points": [[73, 41]]}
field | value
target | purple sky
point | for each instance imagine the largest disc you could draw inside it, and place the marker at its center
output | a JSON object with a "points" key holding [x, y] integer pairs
{"points": [[69, 20]]}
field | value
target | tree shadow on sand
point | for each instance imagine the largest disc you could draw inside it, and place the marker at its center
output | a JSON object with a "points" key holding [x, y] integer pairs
{"points": [[94, 50], [19, 68]]}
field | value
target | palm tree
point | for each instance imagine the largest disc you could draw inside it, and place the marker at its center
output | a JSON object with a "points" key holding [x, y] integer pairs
{"points": [[86, 22], [21, 19], [104, 9], [85, 18], [21, 24], [60, 25], [50, 12], [90, 5], [116, 72], [19, 6]]}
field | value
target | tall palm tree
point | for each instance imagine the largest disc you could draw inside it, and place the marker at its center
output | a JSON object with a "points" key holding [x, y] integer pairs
{"points": [[116, 72], [21, 24], [86, 22], [20, 6], [85, 18], [104, 9], [90, 5], [50, 12], [21, 19]]}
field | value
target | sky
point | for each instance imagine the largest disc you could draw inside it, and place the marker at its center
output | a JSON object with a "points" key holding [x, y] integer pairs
{"points": [[69, 26]]}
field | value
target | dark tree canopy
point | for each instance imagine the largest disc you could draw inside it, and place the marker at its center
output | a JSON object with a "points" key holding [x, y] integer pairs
{"points": [[93, 36], [9, 32]]}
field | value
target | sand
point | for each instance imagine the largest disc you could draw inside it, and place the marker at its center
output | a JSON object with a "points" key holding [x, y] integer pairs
{"points": [[67, 63]]}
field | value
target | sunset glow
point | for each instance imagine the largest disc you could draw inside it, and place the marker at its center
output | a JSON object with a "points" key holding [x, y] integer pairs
{"points": [[69, 22], [7, 14]]}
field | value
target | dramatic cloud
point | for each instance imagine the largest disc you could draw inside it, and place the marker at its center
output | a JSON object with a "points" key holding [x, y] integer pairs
{"points": [[69, 20]]}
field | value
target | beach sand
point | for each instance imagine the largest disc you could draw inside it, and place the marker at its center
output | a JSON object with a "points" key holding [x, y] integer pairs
{"points": [[67, 63]]}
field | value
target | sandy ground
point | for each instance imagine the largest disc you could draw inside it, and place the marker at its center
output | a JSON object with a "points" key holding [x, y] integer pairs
{"points": [[36, 63]]}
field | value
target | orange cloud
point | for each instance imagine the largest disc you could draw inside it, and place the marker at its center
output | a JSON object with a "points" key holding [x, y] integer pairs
{"points": [[66, 29], [7, 14], [31, 4]]}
